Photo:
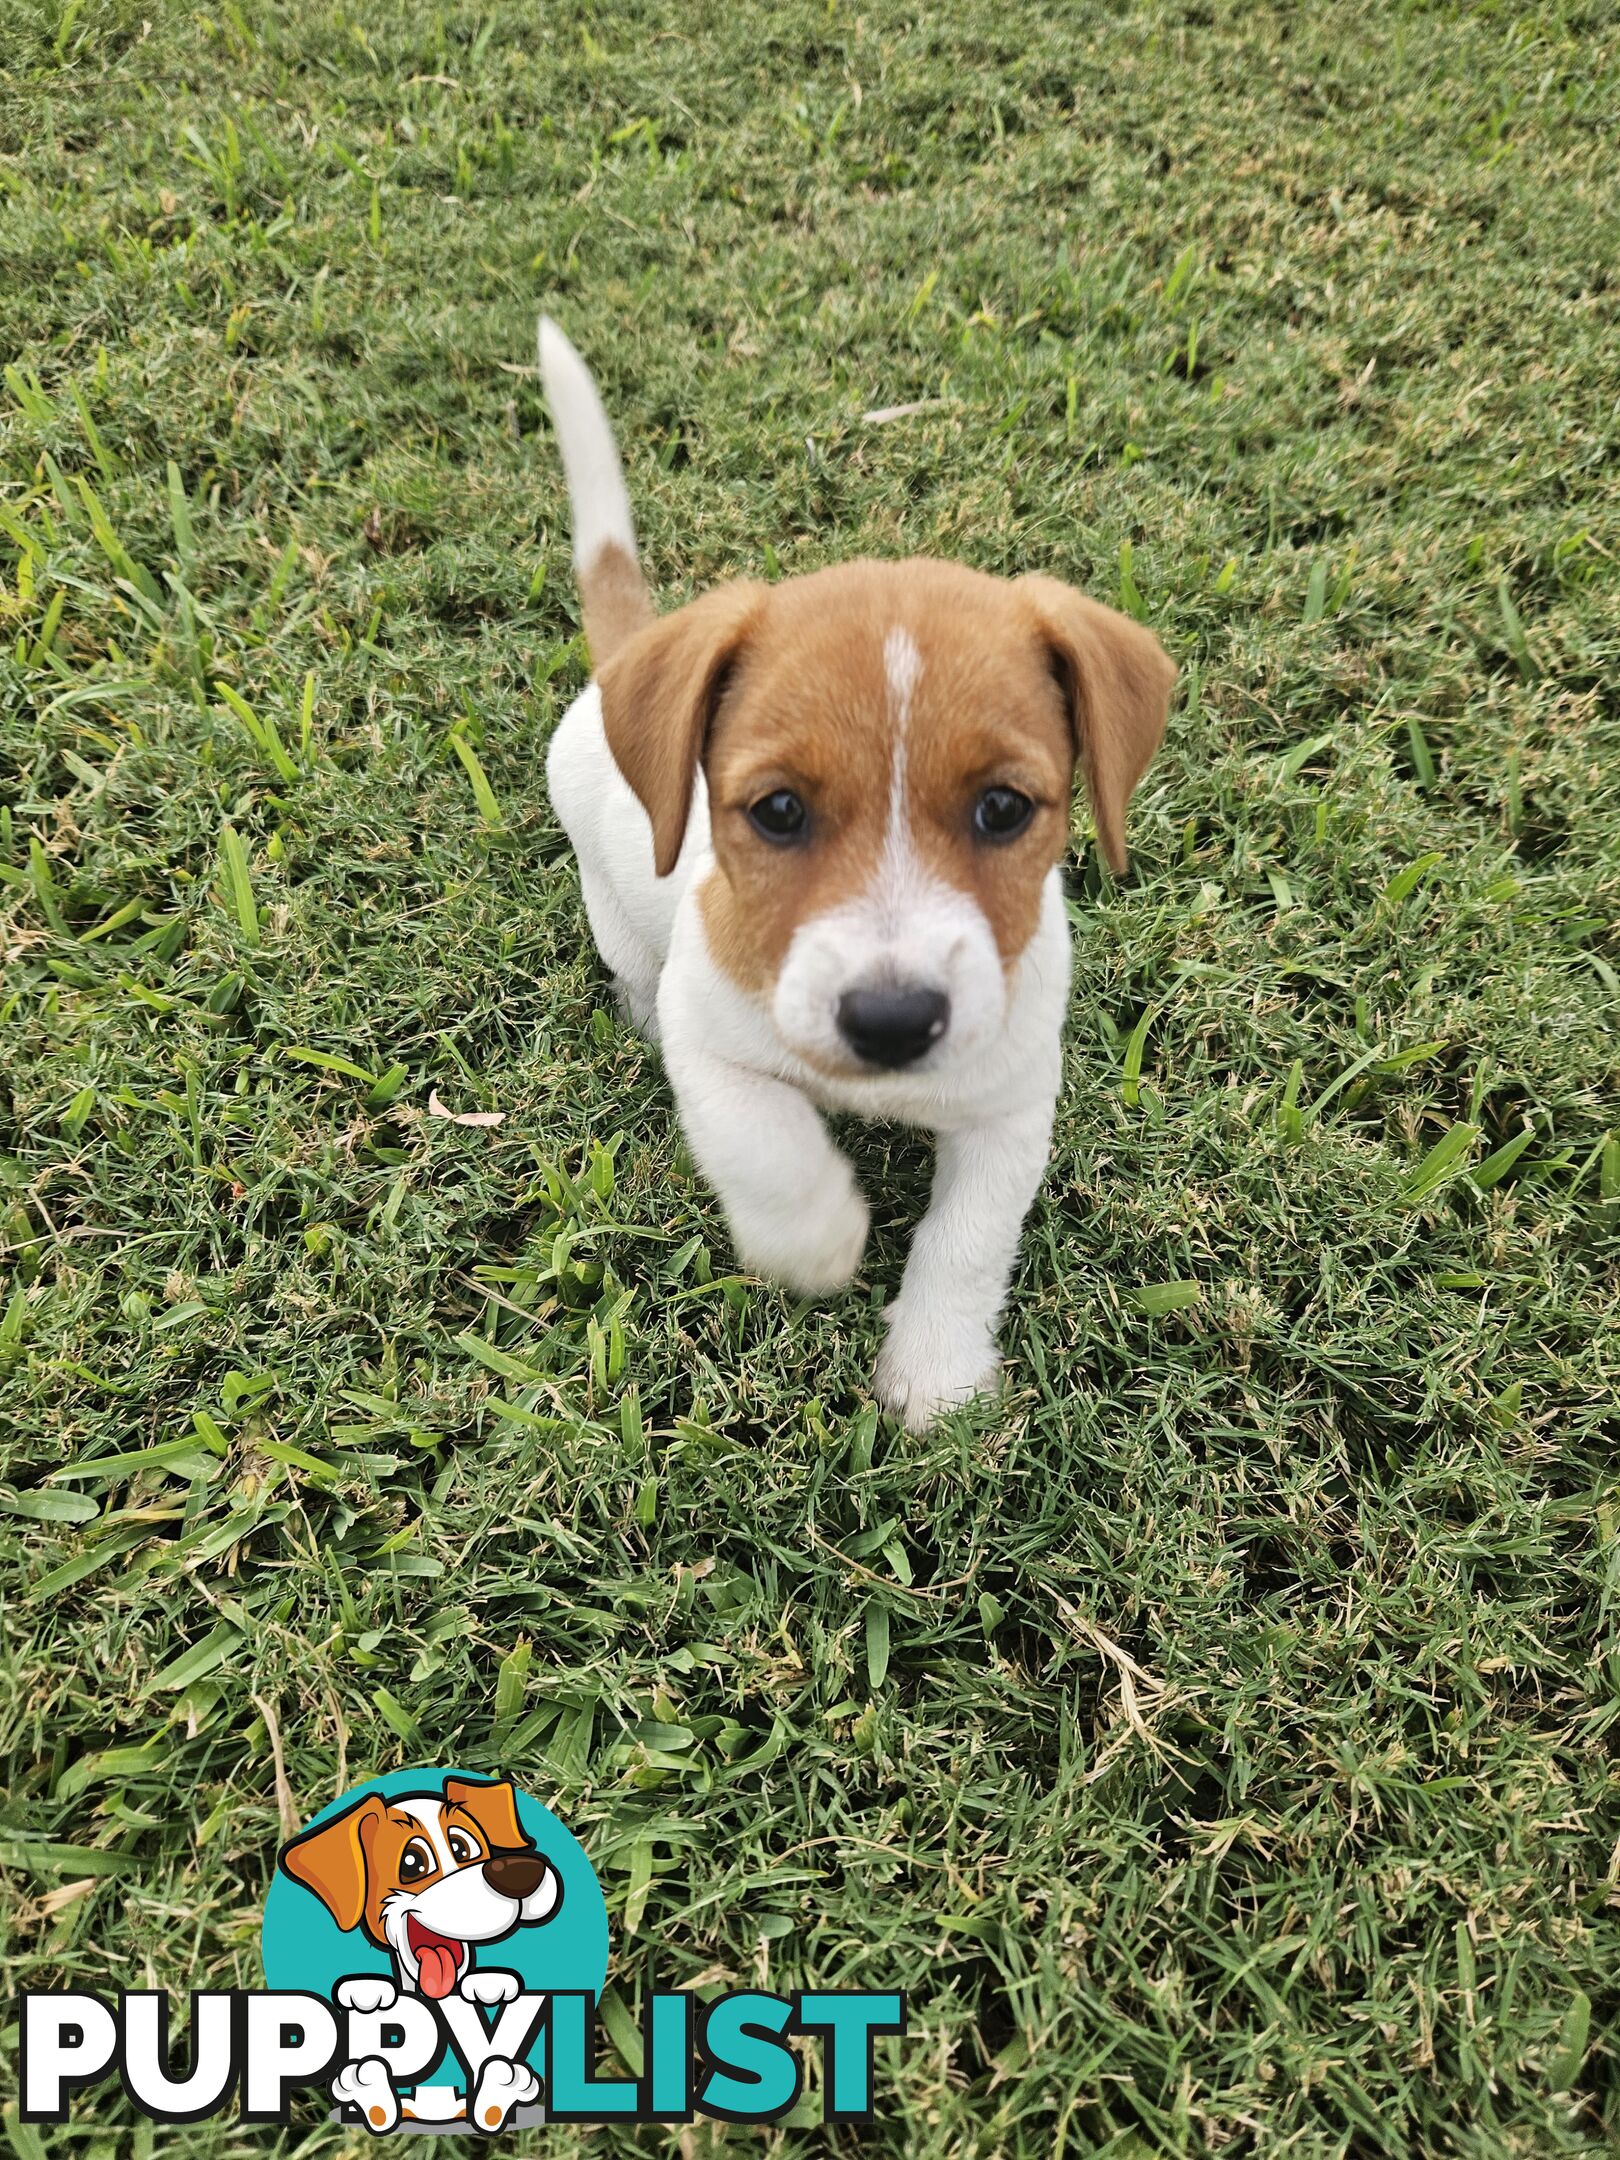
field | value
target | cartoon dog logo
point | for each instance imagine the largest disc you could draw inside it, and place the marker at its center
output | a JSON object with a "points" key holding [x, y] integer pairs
{"points": [[429, 1877]]}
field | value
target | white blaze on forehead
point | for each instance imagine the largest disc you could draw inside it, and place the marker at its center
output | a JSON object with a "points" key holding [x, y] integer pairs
{"points": [[907, 927], [902, 664], [902, 669], [430, 1814]]}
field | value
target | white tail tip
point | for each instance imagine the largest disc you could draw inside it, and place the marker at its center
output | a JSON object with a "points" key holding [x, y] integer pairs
{"points": [[597, 495]]}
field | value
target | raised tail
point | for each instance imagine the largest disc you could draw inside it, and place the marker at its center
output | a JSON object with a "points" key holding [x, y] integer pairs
{"points": [[612, 591]]}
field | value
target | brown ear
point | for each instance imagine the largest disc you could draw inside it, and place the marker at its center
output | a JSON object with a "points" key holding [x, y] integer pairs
{"points": [[1117, 679], [331, 1861], [659, 696], [493, 1808]]}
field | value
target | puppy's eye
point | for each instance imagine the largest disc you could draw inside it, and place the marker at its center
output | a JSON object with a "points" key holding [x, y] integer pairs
{"points": [[779, 817], [1001, 813], [415, 1862], [462, 1847]]}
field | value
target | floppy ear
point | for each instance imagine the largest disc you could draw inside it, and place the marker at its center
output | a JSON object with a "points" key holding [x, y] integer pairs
{"points": [[331, 1861], [1117, 679], [660, 692], [493, 1807]]}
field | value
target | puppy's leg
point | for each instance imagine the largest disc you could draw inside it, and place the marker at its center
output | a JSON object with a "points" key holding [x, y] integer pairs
{"points": [[941, 1344], [790, 1198], [636, 967]]}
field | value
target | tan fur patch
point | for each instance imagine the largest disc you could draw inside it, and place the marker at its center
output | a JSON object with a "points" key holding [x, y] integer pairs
{"points": [[492, 1806], [613, 599], [659, 696], [1117, 680]]}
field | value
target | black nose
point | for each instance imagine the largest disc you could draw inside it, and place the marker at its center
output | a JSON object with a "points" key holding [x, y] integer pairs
{"points": [[892, 1027], [514, 1874]]}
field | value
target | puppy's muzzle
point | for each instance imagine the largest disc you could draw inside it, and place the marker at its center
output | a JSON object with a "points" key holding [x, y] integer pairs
{"points": [[514, 1875], [894, 1026]]}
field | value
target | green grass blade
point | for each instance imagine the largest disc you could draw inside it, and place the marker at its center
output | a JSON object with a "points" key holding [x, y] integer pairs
{"points": [[1500, 1161], [239, 882], [483, 794], [1442, 1159]]}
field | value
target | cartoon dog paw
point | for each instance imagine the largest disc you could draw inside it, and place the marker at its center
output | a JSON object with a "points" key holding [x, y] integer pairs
{"points": [[367, 2087], [490, 1987], [502, 2086], [366, 1993]]}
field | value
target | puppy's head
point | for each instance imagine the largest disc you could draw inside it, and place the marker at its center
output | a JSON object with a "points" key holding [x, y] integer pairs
{"points": [[429, 1875], [889, 750]]}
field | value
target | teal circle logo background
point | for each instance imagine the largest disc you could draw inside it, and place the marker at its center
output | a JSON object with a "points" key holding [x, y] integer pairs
{"points": [[304, 1948]]}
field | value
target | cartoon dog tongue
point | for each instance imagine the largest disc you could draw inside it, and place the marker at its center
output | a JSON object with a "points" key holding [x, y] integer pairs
{"points": [[436, 1964]]}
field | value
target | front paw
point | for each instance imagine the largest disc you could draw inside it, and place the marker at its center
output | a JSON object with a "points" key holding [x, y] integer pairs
{"points": [[638, 1006], [502, 2086], [490, 1987], [930, 1364], [811, 1250], [365, 1992], [367, 2088]]}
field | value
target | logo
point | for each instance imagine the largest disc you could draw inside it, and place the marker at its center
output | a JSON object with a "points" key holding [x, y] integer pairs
{"points": [[435, 1947], [424, 1901]]}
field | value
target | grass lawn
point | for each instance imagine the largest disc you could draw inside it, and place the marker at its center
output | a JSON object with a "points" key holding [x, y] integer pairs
{"points": [[1216, 1737]]}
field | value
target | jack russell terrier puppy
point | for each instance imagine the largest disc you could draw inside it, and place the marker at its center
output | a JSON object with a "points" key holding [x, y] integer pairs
{"points": [[818, 827], [429, 1877]]}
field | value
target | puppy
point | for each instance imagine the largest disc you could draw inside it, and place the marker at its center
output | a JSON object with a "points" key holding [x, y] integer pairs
{"points": [[428, 1877], [818, 827]]}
